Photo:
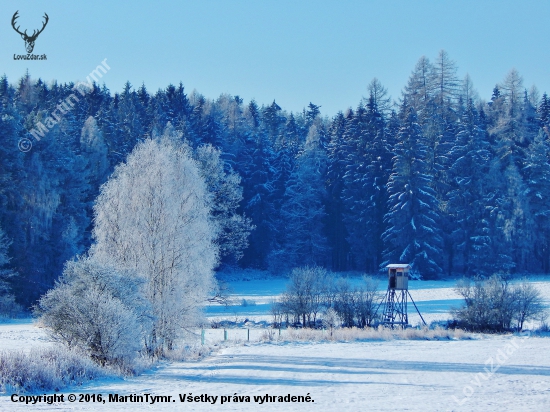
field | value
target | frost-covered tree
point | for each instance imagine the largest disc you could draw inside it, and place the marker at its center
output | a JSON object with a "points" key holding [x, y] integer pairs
{"points": [[512, 88], [506, 114], [304, 296], [153, 217], [510, 211], [93, 147], [529, 303], [367, 302], [331, 320]]}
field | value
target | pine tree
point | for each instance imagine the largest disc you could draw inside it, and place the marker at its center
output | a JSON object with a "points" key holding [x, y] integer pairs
{"points": [[303, 212], [507, 130], [312, 113], [413, 235], [537, 172], [544, 111], [379, 94], [472, 251], [131, 129], [272, 120], [226, 195], [365, 194], [8, 307], [336, 230], [93, 147], [258, 175]]}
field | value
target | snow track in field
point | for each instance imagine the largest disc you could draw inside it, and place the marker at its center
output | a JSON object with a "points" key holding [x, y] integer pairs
{"points": [[377, 376]]}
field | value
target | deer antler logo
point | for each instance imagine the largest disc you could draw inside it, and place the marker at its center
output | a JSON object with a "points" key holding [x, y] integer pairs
{"points": [[29, 40]]}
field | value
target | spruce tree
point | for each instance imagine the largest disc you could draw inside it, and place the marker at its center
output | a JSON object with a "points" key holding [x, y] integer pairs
{"points": [[469, 196], [413, 235], [537, 172], [336, 230]]}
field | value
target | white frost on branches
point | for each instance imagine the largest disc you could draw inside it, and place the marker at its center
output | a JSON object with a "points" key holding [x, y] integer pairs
{"points": [[153, 217]]}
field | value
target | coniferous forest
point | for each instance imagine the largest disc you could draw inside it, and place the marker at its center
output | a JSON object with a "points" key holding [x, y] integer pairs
{"points": [[440, 177]]}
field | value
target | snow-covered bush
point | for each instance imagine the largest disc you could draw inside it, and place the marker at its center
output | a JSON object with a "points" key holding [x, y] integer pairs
{"points": [[193, 352], [45, 370], [528, 303], [495, 304], [97, 310], [305, 295], [367, 302], [356, 305], [312, 290]]}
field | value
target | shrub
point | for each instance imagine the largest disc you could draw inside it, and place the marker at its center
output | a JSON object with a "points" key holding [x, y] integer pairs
{"points": [[495, 305], [367, 302], [45, 370], [304, 295], [93, 309], [355, 334], [312, 290], [528, 303]]}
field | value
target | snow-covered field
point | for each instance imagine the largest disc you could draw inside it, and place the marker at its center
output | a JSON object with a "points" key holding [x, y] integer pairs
{"points": [[486, 373]]}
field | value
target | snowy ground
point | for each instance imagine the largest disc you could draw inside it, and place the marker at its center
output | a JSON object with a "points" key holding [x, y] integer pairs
{"points": [[484, 374], [378, 376]]}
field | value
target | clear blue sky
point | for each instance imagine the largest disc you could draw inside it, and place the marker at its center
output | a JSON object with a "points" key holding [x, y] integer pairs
{"points": [[292, 51]]}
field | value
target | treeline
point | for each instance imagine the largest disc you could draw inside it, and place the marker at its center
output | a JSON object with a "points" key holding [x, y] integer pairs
{"points": [[442, 179]]}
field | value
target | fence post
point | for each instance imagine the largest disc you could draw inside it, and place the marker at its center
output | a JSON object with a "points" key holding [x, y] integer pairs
{"points": [[224, 334], [202, 337]]}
